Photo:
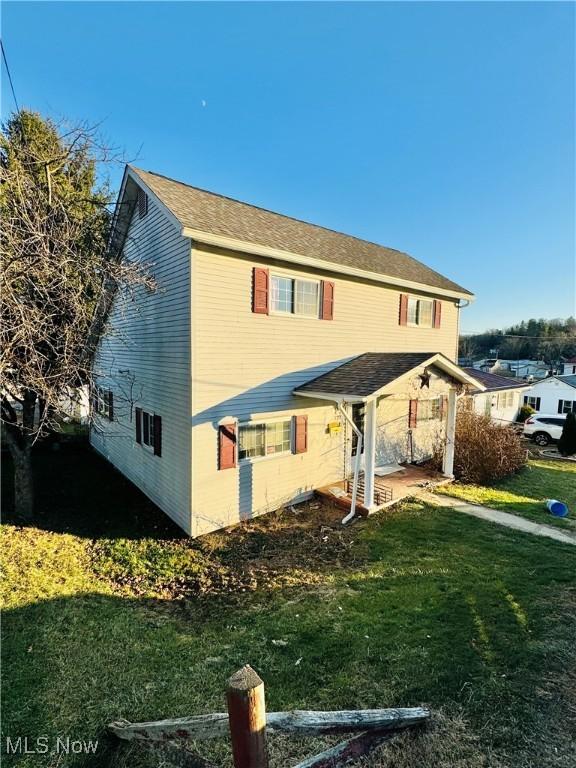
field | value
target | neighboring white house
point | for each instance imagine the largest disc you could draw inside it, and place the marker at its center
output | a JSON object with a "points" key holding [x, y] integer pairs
{"points": [[556, 394], [521, 369], [569, 366], [269, 352], [501, 398]]}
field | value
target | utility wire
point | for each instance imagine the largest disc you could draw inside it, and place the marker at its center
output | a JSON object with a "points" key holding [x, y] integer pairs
{"points": [[9, 76]]}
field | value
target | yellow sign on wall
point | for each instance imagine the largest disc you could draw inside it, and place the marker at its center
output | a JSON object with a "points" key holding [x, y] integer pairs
{"points": [[334, 427]]}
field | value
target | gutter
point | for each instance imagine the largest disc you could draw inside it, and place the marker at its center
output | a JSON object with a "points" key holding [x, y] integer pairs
{"points": [[230, 243], [352, 512]]}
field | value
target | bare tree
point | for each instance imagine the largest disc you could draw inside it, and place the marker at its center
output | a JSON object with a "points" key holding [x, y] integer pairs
{"points": [[57, 276]]}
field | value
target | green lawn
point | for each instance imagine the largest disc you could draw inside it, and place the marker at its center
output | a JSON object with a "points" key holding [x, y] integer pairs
{"points": [[418, 606], [525, 492]]}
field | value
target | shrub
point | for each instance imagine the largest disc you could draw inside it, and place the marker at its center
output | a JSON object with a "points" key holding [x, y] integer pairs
{"points": [[524, 413], [567, 442], [485, 451]]}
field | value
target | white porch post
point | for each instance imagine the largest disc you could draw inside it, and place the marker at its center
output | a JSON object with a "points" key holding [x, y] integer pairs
{"points": [[369, 453], [448, 463]]}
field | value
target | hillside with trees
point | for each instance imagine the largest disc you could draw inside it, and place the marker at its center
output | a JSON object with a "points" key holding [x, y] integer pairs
{"points": [[548, 340]]}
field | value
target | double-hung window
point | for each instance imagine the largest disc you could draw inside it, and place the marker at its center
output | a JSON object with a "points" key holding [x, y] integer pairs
{"points": [[566, 406], [294, 296], [428, 410], [104, 402], [420, 312], [272, 438], [533, 402], [148, 429]]}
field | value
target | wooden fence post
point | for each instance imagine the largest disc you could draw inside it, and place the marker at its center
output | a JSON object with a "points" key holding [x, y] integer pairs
{"points": [[247, 717]]}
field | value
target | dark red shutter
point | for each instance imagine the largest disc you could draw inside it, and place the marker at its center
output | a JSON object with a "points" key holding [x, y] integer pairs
{"points": [[111, 405], [226, 446], [300, 434], [437, 313], [403, 312], [260, 290], [413, 414], [138, 420], [157, 435], [327, 300]]}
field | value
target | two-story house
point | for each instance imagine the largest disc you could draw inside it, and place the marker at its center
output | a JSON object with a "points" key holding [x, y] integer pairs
{"points": [[274, 357]]}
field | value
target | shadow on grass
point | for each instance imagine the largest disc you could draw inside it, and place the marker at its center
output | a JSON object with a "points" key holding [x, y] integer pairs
{"points": [[77, 491]]}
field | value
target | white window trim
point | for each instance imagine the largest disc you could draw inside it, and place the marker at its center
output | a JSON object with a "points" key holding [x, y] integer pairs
{"points": [[294, 278], [151, 414], [264, 422], [418, 299]]}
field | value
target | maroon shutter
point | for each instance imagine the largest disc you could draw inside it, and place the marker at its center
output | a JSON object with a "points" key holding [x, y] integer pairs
{"points": [[260, 281], [327, 300], [226, 446], [300, 434], [111, 405], [413, 414], [403, 313], [157, 435], [437, 313], [138, 420]]}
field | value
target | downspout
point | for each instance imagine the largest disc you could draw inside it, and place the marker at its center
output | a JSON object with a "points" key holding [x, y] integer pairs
{"points": [[352, 512]]}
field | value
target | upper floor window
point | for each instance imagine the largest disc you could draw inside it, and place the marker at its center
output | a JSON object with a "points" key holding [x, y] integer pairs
{"points": [[420, 312], [294, 296]]}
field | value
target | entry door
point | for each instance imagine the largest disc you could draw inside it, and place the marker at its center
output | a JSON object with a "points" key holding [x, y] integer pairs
{"points": [[357, 412]]}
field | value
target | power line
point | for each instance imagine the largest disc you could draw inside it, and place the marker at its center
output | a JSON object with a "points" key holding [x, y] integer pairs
{"points": [[566, 337], [9, 76]]}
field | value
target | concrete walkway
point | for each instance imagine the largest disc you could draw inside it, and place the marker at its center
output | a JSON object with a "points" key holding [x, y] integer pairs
{"points": [[502, 518]]}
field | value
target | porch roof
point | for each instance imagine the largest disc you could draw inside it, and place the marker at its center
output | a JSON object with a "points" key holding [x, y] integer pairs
{"points": [[371, 373]]}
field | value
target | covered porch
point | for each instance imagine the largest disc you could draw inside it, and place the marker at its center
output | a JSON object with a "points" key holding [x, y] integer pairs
{"points": [[406, 481], [368, 379]]}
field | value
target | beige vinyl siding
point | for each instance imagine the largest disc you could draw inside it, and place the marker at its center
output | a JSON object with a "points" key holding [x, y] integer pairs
{"points": [[246, 365], [148, 340]]}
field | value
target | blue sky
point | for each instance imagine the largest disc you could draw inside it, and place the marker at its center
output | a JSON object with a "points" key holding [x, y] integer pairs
{"points": [[442, 129]]}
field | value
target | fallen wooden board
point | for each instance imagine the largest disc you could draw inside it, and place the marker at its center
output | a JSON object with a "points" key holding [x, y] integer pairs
{"points": [[348, 751], [301, 722]]}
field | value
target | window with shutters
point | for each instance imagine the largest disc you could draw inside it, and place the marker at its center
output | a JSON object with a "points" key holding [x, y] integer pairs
{"points": [[533, 402], [429, 410], [294, 296], [264, 439], [420, 312], [566, 406]]}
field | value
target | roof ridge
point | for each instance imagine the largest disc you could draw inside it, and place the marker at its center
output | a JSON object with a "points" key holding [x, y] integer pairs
{"points": [[276, 213]]}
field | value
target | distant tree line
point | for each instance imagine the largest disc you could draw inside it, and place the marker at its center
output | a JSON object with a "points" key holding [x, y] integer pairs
{"points": [[547, 340]]}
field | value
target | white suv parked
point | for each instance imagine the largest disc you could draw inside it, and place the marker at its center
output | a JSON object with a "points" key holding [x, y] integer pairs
{"points": [[543, 428]]}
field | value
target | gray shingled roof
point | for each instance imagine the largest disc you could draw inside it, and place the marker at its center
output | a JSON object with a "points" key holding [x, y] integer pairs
{"points": [[492, 382], [569, 379], [365, 374], [219, 215]]}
